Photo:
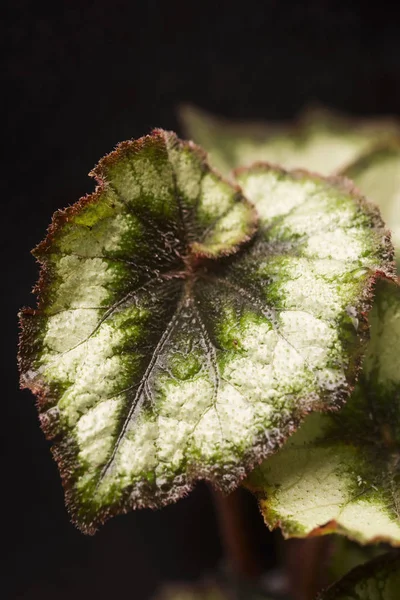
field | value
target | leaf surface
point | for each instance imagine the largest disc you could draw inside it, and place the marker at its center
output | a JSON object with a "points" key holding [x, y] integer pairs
{"points": [[378, 579], [341, 472], [320, 140], [377, 174], [171, 342]]}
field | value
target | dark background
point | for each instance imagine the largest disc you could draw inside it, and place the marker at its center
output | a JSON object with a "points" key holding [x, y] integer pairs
{"points": [[79, 79]]}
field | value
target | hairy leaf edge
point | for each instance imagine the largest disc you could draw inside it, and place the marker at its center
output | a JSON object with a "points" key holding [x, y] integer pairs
{"points": [[66, 455]]}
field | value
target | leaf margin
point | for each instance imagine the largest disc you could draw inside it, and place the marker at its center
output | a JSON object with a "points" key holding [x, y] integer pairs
{"points": [[65, 455]]}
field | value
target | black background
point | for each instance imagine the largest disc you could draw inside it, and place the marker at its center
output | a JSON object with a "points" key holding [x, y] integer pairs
{"points": [[79, 79]]}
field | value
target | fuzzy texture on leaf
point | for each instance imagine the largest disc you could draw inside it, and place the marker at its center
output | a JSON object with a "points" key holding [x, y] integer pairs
{"points": [[377, 174], [320, 139], [378, 579], [341, 472], [171, 342]]}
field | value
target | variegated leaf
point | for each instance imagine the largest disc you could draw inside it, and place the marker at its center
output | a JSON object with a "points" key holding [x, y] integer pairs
{"points": [[341, 472], [172, 342]]}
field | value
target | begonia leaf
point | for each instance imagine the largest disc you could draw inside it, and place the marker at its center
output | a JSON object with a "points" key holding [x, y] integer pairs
{"points": [[341, 472], [174, 342]]}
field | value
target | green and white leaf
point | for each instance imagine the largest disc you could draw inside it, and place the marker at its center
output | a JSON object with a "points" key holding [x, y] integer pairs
{"points": [[319, 140], [377, 174], [376, 580], [171, 342], [341, 472]]}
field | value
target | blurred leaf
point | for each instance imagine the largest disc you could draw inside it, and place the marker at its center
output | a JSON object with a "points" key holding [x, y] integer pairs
{"points": [[320, 140], [376, 580], [346, 555], [166, 347], [341, 472], [377, 174]]}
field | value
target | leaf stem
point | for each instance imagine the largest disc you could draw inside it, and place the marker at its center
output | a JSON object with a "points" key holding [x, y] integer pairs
{"points": [[306, 560], [240, 552]]}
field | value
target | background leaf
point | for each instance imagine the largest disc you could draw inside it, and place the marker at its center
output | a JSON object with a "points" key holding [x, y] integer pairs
{"points": [[320, 140], [170, 343], [377, 174], [341, 472], [345, 555], [376, 580]]}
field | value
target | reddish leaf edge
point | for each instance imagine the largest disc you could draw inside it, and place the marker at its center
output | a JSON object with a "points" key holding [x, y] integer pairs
{"points": [[142, 495]]}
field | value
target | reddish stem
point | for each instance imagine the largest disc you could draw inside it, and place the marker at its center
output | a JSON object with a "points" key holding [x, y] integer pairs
{"points": [[235, 534]]}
